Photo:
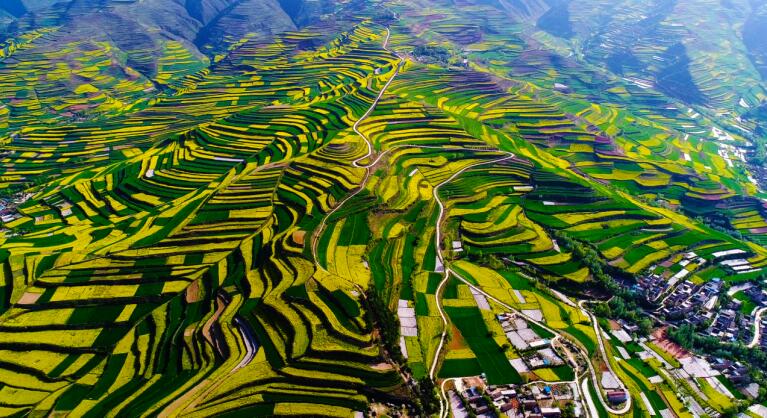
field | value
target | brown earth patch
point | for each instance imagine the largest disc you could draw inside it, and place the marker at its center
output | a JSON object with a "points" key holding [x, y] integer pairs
{"points": [[456, 342], [299, 237], [28, 298], [672, 348], [193, 292]]}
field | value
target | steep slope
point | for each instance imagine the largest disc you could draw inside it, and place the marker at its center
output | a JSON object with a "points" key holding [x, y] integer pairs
{"points": [[206, 10], [755, 36], [236, 22], [15, 8], [523, 9], [5, 20]]}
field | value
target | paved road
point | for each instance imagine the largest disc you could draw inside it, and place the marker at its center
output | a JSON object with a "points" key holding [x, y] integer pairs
{"points": [[627, 406], [438, 242], [607, 406], [757, 327], [589, 400]]}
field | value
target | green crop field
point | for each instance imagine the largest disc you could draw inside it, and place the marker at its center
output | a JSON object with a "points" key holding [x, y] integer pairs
{"points": [[492, 360]]}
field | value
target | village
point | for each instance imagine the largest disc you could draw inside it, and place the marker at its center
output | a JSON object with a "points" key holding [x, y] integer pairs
{"points": [[472, 397], [696, 377], [732, 313], [9, 205]]}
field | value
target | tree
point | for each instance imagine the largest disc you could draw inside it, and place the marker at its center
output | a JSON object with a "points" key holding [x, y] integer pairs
{"points": [[645, 326], [380, 316], [603, 310], [683, 335], [427, 395], [568, 411]]}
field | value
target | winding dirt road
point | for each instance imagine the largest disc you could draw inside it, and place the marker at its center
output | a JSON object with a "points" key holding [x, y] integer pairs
{"points": [[444, 410], [356, 163]]}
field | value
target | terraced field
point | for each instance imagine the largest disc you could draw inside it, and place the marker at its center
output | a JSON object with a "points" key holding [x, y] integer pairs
{"points": [[329, 213], [173, 237]]}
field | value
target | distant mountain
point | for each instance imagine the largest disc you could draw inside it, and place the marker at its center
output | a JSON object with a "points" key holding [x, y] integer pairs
{"points": [[677, 45], [755, 37], [203, 24], [208, 25], [523, 8], [100, 47]]}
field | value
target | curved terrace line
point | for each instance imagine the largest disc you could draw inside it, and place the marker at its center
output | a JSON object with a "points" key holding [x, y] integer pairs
{"points": [[444, 410]]}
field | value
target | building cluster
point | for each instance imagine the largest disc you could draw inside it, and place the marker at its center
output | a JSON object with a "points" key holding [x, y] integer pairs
{"points": [[688, 299], [757, 294], [729, 324], [537, 400], [676, 271], [735, 371], [717, 310], [701, 305], [761, 339], [8, 207], [726, 323], [655, 285], [713, 308], [536, 351]]}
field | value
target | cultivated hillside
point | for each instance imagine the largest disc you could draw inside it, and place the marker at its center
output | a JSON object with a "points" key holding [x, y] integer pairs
{"points": [[256, 207]]}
